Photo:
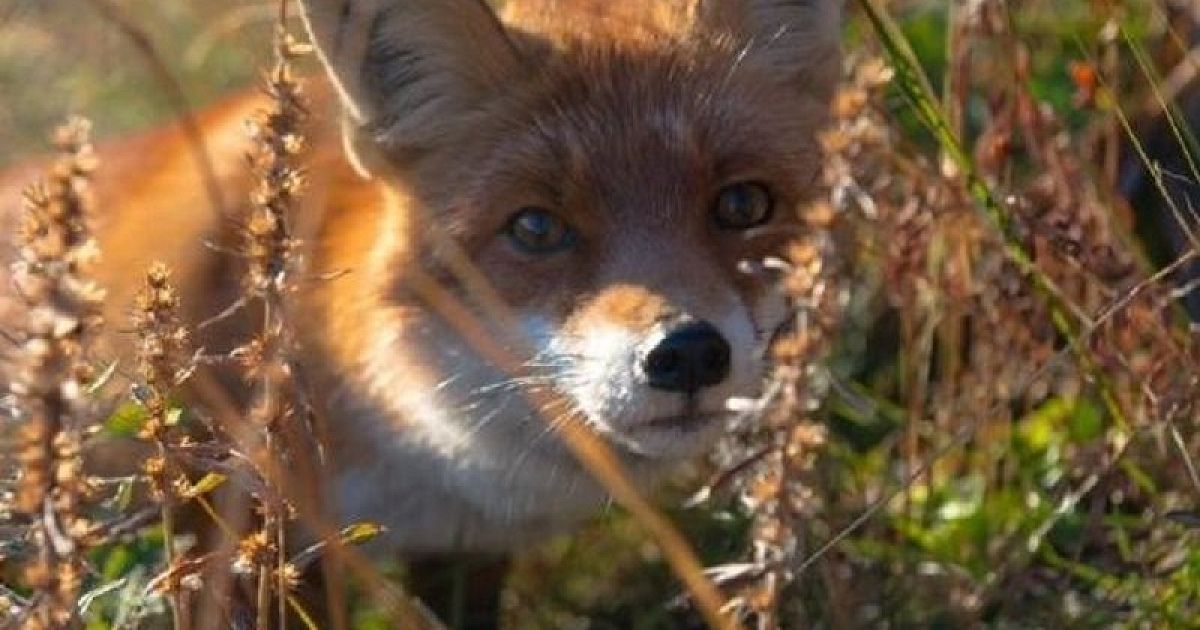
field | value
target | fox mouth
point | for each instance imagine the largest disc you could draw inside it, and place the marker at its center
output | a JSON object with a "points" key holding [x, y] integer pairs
{"points": [[686, 422], [692, 419], [669, 437]]}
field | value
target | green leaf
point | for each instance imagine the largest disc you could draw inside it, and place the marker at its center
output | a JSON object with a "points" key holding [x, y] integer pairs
{"points": [[1041, 428], [1144, 482], [126, 421], [1086, 423], [354, 534], [118, 562], [361, 532], [124, 495], [207, 484]]}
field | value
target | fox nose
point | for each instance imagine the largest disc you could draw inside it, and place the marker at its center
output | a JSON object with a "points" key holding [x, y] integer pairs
{"points": [[692, 356]]}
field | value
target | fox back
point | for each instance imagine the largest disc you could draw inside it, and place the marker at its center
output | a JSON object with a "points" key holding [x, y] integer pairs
{"points": [[606, 168]]}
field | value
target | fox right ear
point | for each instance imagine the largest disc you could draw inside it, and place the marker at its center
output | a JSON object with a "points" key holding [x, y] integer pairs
{"points": [[408, 69], [797, 39]]}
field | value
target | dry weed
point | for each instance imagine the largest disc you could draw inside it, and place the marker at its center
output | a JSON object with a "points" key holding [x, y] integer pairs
{"points": [[52, 374]]}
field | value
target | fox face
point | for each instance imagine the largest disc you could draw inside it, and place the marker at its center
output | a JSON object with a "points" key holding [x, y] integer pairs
{"points": [[642, 216], [612, 171]]}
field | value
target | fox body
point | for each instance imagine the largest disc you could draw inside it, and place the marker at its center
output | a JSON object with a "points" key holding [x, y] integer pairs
{"points": [[606, 166]]}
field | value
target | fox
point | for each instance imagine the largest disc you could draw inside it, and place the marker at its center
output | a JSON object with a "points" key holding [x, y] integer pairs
{"points": [[607, 166]]}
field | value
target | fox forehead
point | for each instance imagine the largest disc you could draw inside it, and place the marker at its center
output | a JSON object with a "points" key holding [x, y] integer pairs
{"points": [[606, 132], [630, 145], [616, 20]]}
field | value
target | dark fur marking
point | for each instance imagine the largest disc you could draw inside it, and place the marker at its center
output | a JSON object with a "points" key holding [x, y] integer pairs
{"points": [[389, 69], [343, 20]]}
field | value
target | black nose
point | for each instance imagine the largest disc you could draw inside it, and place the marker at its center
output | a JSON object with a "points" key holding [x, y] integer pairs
{"points": [[690, 357]]}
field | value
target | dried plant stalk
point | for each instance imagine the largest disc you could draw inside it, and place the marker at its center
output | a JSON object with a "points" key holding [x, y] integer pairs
{"points": [[270, 252], [51, 377], [774, 459], [162, 365]]}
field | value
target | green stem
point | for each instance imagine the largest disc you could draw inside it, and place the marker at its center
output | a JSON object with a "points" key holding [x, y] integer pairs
{"points": [[915, 87]]}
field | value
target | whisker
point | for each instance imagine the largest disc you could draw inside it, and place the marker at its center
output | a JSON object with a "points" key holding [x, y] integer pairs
{"points": [[479, 424]]}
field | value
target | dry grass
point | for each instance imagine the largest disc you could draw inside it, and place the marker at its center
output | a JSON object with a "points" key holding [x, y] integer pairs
{"points": [[52, 373]]}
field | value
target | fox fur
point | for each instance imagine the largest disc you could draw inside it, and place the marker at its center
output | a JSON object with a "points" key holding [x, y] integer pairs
{"points": [[623, 119]]}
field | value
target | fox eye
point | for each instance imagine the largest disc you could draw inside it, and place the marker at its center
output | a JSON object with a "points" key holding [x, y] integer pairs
{"points": [[743, 205], [538, 231]]}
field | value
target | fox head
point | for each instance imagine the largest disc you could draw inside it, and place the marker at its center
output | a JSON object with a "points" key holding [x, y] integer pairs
{"points": [[609, 167]]}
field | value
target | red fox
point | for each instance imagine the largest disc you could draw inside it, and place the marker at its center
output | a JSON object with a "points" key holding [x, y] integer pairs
{"points": [[607, 165]]}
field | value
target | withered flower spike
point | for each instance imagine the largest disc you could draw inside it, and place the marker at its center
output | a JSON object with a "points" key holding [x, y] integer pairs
{"points": [[51, 376], [776, 484]]}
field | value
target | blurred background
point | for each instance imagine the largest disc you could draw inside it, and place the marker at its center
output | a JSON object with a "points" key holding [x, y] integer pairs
{"points": [[59, 58]]}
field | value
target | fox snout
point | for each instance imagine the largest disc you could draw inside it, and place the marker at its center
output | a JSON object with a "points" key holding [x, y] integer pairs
{"points": [[652, 371], [688, 358]]}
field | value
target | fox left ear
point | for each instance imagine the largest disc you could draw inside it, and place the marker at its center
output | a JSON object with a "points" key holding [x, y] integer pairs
{"points": [[797, 39], [409, 71]]}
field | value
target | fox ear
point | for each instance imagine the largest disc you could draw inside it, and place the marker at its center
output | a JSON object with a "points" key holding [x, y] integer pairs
{"points": [[407, 69], [797, 39]]}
